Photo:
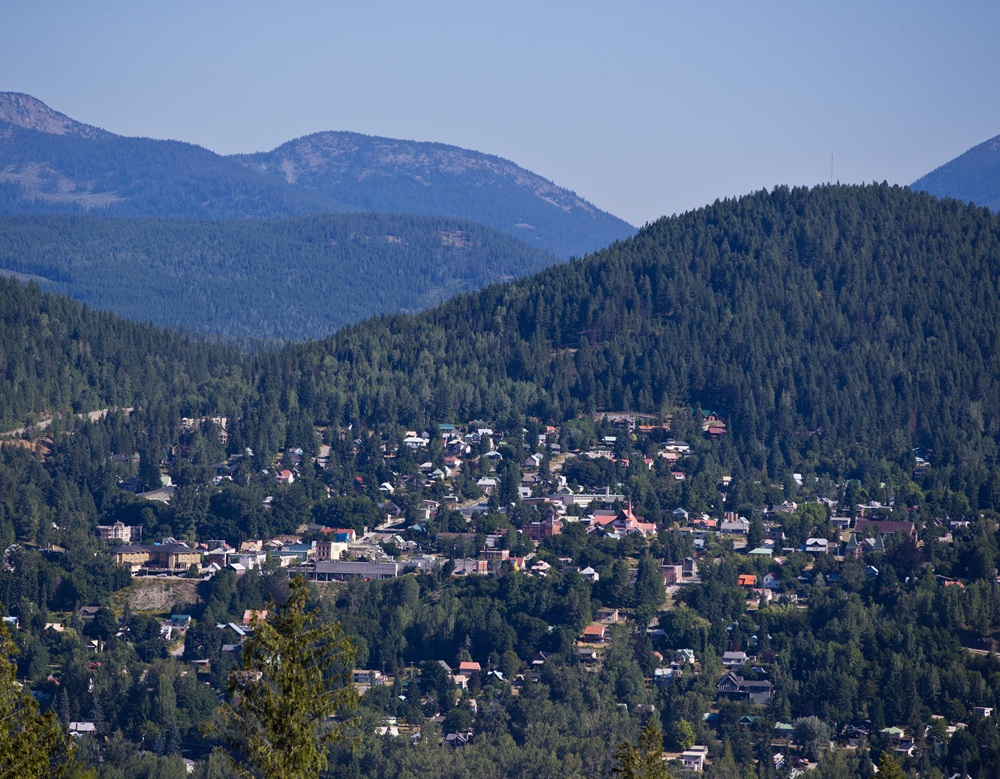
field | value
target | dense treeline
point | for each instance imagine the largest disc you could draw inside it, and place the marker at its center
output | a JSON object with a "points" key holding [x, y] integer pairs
{"points": [[829, 326], [57, 356], [260, 280]]}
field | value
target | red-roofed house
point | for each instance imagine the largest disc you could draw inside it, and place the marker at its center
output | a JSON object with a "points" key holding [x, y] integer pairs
{"points": [[627, 522], [594, 633]]}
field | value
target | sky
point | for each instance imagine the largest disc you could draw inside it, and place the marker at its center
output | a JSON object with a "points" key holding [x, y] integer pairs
{"points": [[645, 109]]}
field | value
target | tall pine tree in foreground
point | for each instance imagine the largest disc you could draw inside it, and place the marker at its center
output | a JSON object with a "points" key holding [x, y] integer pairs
{"points": [[32, 744], [288, 700]]}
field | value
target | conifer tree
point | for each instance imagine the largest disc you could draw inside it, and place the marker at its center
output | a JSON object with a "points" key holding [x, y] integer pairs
{"points": [[282, 703], [645, 759], [32, 744]]}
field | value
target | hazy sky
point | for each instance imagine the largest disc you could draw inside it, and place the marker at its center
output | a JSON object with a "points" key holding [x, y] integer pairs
{"points": [[643, 108]]}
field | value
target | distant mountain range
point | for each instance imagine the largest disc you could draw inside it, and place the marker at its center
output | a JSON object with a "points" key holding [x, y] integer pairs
{"points": [[973, 176], [384, 174], [50, 163]]}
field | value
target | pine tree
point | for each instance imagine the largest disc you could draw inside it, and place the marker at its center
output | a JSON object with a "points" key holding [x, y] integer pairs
{"points": [[32, 744], [645, 759], [294, 679]]}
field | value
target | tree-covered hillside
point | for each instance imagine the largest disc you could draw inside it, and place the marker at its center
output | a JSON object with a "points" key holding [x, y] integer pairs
{"points": [[297, 278], [57, 357], [973, 176], [828, 326], [386, 174]]}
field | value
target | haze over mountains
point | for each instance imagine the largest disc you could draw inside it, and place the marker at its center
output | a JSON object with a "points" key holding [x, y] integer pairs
{"points": [[50, 163]]}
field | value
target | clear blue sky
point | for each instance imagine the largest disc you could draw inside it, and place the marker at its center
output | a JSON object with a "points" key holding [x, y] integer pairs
{"points": [[644, 108]]}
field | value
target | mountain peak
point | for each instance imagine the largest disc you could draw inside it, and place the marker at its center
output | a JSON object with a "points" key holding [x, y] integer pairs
{"points": [[973, 176], [30, 113], [373, 173]]}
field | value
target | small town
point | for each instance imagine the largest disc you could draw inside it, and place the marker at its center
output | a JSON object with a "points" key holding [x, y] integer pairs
{"points": [[473, 501]]}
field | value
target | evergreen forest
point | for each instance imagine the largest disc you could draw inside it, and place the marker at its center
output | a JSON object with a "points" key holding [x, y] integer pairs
{"points": [[260, 281]]}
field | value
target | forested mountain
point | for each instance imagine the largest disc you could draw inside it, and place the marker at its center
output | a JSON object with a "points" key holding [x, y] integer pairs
{"points": [[830, 326], [973, 176], [260, 279], [51, 164], [57, 356], [386, 174]]}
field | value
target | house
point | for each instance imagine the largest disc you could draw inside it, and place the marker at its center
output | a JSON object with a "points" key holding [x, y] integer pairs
{"points": [[487, 484], [535, 666], [683, 657], [886, 528], [414, 441], [590, 575], [693, 759], [586, 655], [735, 525], [747, 580], [734, 659], [627, 522], [594, 633], [816, 546], [738, 688], [469, 668], [82, 728], [371, 678], [330, 549], [541, 568], [533, 462], [608, 615], [457, 740], [771, 582], [250, 615]]}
